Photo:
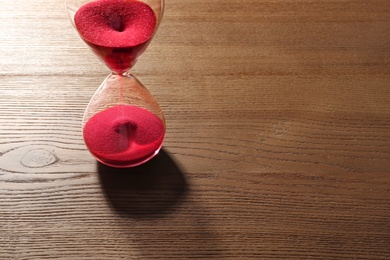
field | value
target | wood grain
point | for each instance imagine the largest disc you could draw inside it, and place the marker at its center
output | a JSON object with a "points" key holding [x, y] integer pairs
{"points": [[277, 147]]}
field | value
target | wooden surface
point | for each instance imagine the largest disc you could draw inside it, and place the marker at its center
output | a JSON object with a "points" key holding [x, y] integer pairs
{"points": [[278, 135]]}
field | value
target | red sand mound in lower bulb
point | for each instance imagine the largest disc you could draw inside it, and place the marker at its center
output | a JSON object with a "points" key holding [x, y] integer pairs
{"points": [[117, 30], [124, 135]]}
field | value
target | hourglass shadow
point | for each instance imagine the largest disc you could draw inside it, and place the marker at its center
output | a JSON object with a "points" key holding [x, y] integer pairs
{"points": [[146, 191]]}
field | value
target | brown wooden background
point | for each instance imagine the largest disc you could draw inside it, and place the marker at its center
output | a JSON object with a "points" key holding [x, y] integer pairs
{"points": [[278, 139]]}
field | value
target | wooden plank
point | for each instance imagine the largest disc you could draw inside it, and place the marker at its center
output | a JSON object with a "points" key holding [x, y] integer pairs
{"points": [[277, 146]]}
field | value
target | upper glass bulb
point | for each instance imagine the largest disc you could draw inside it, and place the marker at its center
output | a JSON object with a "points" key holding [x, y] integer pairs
{"points": [[118, 31]]}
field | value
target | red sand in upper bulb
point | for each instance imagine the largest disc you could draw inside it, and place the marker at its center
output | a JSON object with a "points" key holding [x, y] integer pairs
{"points": [[124, 135], [115, 23], [117, 30]]}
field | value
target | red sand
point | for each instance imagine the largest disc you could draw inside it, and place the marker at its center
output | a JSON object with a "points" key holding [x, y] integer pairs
{"points": [[117, 30], [124, 135]]}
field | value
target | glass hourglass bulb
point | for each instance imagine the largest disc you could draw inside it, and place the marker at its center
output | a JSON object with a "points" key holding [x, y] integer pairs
{"points": [[123, 125]]}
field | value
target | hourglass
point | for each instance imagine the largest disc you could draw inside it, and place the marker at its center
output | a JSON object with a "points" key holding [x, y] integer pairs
{"points": [[123, 125]]}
